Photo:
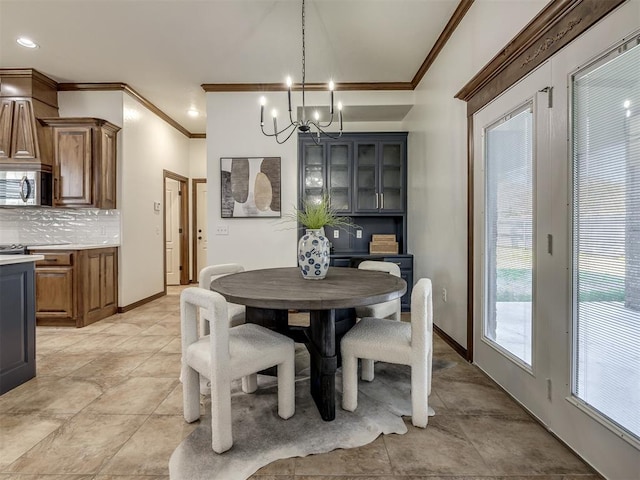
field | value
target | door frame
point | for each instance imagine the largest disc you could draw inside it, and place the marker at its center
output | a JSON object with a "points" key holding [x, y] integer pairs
{"points": [[524, 53], [194, 226], [529, 383], [184, 225]]}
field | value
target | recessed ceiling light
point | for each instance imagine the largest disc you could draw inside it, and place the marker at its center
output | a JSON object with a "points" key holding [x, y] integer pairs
{"points": [[192, 112], [27, 42]]}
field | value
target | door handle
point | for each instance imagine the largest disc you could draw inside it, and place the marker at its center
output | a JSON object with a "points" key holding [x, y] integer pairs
{"points": [[25, 196], [56, 189], [382, 201], [377, 202]]}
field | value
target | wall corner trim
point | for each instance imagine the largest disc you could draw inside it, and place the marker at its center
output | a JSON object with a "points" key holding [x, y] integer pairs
{"points": [[119, 86], [459, 13], [556, 25]]}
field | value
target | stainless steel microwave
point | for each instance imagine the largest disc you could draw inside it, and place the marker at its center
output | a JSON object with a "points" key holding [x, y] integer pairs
{"points": [[26, 188]]}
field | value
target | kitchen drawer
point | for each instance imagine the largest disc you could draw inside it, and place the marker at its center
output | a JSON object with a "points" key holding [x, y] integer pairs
{"points": [[402, 262], [54, 259], [340, 262]]}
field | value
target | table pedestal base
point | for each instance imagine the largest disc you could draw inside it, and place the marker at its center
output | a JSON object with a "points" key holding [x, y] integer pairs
{"points": [[322, 339], [324, 362]]}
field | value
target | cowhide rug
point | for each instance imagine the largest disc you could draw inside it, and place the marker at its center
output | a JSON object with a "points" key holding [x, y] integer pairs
{"points": [[261, 437]]}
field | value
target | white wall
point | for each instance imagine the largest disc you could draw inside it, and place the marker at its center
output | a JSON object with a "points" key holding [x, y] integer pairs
{"points": [[233, 131], [437, 125], [149, 146], [146, 146], [198, 158]]}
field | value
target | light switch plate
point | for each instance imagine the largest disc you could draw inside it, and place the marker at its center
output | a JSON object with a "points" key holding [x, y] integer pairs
{"points": [[222, 230]]}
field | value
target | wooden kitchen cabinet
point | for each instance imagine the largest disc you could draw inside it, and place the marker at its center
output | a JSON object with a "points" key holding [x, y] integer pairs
{"points": [[25, 96], [17, 130], [76, 287], [56, 289], [84, 162], [98, 290]]}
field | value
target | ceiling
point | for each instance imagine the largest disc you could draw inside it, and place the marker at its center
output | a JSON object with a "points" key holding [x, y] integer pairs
{"points": [[166, 49]]}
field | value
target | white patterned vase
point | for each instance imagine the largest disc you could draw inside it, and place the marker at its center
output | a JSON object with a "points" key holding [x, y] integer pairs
{"points": [[313, 254]]}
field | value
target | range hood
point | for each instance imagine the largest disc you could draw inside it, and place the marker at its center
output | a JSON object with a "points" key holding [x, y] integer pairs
{"points": [[25, 96]]}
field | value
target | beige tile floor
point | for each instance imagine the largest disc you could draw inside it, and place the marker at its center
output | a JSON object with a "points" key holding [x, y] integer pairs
{"points": [[106, 405]]}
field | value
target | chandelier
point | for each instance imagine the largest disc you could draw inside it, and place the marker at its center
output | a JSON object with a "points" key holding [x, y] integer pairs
{"points": [[312, 126]]}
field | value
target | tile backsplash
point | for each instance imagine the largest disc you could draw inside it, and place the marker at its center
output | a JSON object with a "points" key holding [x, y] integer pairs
{"points": [[56, 225]]}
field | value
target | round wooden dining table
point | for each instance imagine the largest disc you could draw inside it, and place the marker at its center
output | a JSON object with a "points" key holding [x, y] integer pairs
{"points": [[270, 293]]}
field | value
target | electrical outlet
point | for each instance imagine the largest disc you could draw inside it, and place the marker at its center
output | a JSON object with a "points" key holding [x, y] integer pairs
{"points": [[444, 295], [358, 233], [336, 233], [222, 230]]}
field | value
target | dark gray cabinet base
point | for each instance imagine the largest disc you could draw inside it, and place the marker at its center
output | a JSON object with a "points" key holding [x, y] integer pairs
{"points": [[17, 325], [405, 262]]}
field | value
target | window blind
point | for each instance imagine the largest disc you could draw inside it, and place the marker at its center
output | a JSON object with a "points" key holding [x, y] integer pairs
{"points": [[606, 235]]}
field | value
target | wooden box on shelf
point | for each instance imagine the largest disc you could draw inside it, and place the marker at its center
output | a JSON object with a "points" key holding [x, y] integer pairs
{"points": [[383, 243]]}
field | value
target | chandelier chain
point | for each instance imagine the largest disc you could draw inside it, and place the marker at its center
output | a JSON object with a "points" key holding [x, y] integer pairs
{"points": [[303, 58], [314, 128]]}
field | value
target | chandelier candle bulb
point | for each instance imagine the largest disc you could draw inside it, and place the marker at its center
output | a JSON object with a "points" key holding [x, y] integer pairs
{"points": [[289, 82], [331, 87], [274, 113], [263, 101]]}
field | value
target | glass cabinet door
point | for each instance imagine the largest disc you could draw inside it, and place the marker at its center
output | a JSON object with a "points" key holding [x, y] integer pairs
{"points": [[313, 173], [367, 197], [339, 177], [391, 178]]}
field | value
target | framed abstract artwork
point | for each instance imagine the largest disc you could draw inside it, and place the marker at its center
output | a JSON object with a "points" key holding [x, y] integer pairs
{"points": [[250, 187]]}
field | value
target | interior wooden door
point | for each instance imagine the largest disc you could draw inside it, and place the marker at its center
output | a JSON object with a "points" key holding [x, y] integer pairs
{"points": [[172, 231], [201, 228]]}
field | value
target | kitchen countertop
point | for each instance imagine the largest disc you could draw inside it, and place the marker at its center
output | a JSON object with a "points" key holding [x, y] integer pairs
{"points": [[11, 259], [68, 246]]}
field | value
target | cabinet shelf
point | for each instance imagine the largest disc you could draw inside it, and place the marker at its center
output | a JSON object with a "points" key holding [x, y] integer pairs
{"points": [[360, 165]]}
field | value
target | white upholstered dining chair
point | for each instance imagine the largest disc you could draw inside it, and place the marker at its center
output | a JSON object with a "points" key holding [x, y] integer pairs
{"points": [[390, 309], [394, 342], [208, 274], [225, 355]]}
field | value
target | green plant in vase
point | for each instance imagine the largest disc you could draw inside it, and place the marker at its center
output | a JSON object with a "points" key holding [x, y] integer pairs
{"points": [[317, 215], [314, 247]]}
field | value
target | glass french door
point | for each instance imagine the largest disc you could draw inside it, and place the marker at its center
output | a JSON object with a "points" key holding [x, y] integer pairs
{"points": [[556, 183], [605, 100], [511, 157]]}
